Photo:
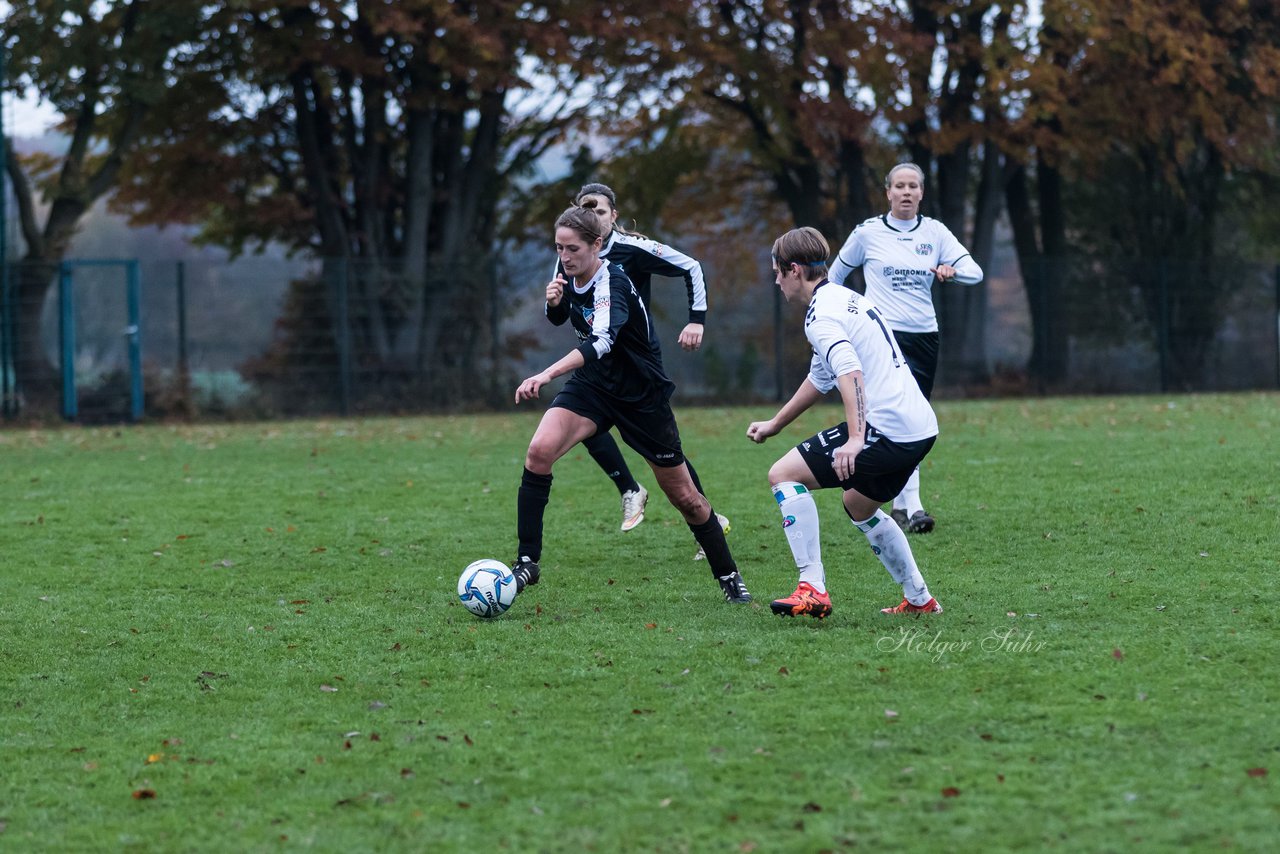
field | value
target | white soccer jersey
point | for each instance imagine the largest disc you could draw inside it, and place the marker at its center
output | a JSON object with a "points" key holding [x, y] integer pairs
{"points": [[848, 334], [896, 263]]}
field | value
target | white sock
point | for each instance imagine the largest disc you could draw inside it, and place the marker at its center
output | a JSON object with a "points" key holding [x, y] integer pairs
{"points": [[800, 522], [891, 546], [908, 499]]}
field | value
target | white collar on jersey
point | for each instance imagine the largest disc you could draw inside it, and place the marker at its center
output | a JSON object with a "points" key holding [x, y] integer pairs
{"points": [[599, 276], [608, 244], [893, 222]]}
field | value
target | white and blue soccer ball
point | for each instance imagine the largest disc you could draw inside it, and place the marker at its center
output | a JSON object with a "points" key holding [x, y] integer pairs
{"points": [[487, 587]]}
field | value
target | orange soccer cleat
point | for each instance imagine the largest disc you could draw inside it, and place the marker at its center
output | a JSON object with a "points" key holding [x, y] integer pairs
{"points": [[805, 600], [930, 607]]}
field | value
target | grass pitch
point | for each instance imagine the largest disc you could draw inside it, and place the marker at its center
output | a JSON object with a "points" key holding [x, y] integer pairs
{"points": [[246, 638]]}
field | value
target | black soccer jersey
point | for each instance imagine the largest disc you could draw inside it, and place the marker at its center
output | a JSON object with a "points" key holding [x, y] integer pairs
{"points": [[623, 361]]}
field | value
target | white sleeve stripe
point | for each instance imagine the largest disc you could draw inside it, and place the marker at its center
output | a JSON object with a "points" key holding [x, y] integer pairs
{"points": [[692, 266]]}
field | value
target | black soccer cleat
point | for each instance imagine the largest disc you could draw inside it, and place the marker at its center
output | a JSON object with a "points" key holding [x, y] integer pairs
{"points": [[921, 523], [526, 573], [900, 516], [735, 589]]}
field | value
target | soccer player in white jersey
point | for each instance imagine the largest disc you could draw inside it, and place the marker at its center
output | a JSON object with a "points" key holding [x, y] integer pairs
{"points": [[902, 254], [888, 429]]}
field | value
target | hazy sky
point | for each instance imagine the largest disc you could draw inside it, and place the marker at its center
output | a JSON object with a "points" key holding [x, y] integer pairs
{"points": [[26, 117]]}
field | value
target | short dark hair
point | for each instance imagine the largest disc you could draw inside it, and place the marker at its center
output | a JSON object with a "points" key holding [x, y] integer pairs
{"points": [[804, 246], [597, 190]]}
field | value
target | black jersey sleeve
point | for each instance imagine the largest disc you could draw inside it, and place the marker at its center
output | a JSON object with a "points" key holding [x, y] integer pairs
{"points": [[557, 314], [645, 257], [560, 313]]}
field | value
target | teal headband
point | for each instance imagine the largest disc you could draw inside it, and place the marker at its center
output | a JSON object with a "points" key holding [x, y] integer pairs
{"points": [[802, 263]]}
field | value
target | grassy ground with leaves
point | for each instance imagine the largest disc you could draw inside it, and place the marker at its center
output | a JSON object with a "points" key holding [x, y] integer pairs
{"points": [[247, 638]]}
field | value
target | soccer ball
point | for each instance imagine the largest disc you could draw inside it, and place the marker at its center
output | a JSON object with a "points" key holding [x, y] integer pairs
{"points": [[487, 588]]}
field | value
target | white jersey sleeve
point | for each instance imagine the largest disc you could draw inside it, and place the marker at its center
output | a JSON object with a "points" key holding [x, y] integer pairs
{"points": [[952, 252], [852, 255]]}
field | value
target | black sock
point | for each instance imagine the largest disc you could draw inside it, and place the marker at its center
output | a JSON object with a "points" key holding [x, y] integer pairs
{"points": [[531, 503], [693, 474], [711, 537], [605, 451]]}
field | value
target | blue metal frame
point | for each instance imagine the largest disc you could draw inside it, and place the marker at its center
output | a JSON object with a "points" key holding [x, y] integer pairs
{"points": [[67, 333], [8, 376], [67, 342]]}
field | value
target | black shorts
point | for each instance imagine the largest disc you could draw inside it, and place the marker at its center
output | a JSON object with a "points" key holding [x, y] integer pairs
{"points": [[649, 428], [921, 352], [880, 470]]}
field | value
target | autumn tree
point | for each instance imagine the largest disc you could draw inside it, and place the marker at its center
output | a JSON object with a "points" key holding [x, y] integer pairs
{"points": [[823, 96], [380, 138], [1136, 116], [114, 71]]}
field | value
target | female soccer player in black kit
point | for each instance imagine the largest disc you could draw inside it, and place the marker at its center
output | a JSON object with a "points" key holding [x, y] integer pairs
{"points": [[641, 259], [618, 381]]}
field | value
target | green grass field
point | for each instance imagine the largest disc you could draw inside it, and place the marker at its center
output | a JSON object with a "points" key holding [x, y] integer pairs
{"points": [[247, 638]]}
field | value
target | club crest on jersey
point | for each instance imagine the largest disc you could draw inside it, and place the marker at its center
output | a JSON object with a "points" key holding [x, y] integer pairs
{"points": [[924, 248], [588, 314]]}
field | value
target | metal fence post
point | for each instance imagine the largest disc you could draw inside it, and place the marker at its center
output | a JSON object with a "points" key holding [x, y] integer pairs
{"points": [[184, 367], [1162, 334], [777, 345], [133, 286], [8, 374], [344, 338], [1040, 336], [495, 324], [67, 341]]}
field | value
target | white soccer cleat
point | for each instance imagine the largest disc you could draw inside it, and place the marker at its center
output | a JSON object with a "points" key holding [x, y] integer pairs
{"points": [[633, 502]]}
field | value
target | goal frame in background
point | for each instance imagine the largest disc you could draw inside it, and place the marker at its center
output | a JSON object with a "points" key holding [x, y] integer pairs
{"points": [[67, 332]]}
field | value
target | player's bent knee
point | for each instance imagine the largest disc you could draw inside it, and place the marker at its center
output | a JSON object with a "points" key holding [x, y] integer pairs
{"points": [[539, 457], [784, 470], [688, 501]]}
